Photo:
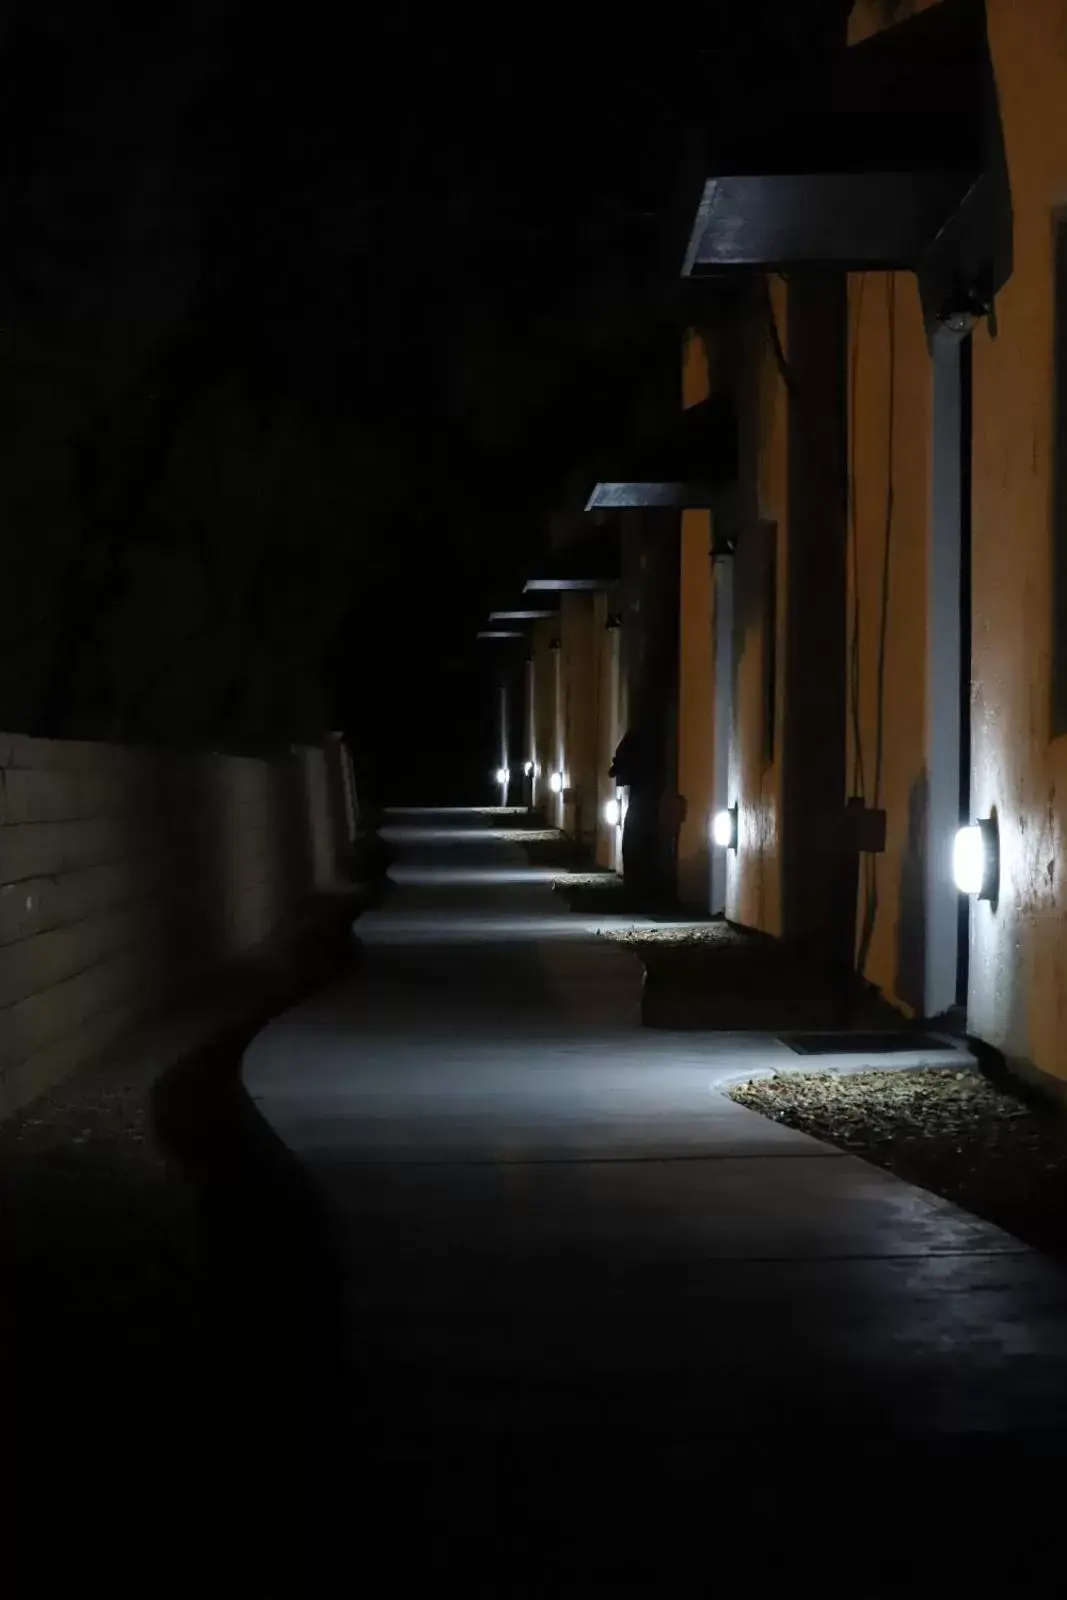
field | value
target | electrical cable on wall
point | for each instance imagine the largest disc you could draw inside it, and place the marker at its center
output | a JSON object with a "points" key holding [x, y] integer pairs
{"points": [[859, 771], [781, 359], [883, 620], [859, 780], [870, 862], [804, 423]]}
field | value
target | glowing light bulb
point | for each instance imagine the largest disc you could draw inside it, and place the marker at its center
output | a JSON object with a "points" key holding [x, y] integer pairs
{"points": [[503, 776], [612, 813], [555, 782], [976, 859], [968, 860], [724, 829]]}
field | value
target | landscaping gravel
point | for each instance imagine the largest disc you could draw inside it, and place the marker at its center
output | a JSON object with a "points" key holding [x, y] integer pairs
{"points": [[990, 1146], [707, 973], [608, 881], [692, 935]]}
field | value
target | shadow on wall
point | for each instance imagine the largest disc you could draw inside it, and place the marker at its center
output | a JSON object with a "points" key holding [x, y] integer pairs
{"points": [[752, 740], [684, 873], [224, 843], [693, 850], [1058, 688], [911, 923], [304, 847], [173, 864]]}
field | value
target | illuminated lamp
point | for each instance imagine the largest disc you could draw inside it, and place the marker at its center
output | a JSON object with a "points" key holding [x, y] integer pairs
{"points": [[724, 828]]}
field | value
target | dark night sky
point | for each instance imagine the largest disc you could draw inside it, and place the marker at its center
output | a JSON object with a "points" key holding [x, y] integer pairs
{"points": [[442, 254]]}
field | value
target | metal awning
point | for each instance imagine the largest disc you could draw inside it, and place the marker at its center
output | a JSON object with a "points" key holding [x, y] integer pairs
{"points": [[585, 566], [521, 616], [563, 584], [688, 465], [887, 155]]}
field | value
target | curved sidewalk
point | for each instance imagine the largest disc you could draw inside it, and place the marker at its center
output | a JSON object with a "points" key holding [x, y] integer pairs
{"points": [[553, 1219]]}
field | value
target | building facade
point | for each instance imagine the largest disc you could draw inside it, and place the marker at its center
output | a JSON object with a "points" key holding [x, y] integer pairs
{"points": [[879, 611]]}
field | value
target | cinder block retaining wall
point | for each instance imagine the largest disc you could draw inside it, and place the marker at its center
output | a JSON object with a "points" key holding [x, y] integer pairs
{"points": [[129, 875]]}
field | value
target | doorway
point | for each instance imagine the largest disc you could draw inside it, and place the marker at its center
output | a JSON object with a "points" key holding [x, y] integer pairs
{"points": [[948, 677], [723, 715]]}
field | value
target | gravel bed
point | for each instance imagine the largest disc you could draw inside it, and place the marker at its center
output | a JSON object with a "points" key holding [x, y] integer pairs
{"points": [[105, 1106], [592, 893], [694, 935], [990, 1146], [608, 881]]}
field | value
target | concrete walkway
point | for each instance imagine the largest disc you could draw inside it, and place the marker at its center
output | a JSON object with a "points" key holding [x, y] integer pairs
{"points": [[554, 1224]]}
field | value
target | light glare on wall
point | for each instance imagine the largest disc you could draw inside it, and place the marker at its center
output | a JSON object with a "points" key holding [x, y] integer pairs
{"points": [[503, 777], [976, 859], [527, 768], [612, 813], [555, 783], [724, 828]]}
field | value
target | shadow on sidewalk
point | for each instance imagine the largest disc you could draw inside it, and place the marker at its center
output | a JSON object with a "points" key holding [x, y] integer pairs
{"points": [[177, 1333], [180, 1351], [272, 1345]]}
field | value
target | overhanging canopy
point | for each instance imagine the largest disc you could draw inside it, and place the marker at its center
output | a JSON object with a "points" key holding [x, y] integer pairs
{"points": [[586, 565], [885, 155], [688, 465], [520, 616], [563, 585]]}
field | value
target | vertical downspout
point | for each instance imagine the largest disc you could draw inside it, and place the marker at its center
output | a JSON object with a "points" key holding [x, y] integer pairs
{"points": [[963, 949]]}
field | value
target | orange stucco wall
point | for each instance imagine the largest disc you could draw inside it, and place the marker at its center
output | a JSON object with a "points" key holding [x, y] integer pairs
{"points": [[696, 675], [610, 727], [545, 733], [1017, 997], [579, 670], [890, 389], [753, 892], [871, 16], [1018, 977]]}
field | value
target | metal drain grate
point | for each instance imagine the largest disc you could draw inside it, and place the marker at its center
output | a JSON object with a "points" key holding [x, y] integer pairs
{"points": [[859, 1044]]}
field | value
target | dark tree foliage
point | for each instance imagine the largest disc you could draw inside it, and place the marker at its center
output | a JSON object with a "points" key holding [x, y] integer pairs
{"points": [[303, 325]]}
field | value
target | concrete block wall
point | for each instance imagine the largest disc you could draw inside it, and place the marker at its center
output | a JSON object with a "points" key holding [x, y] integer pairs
{"points": [[127, 876]]}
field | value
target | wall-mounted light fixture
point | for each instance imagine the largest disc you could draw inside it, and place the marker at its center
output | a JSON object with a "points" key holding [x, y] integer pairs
{"points": [[527, 768], [555, 782], [961, 312], [976, 859], [503, 777], [612, 813], [724, 828]]}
